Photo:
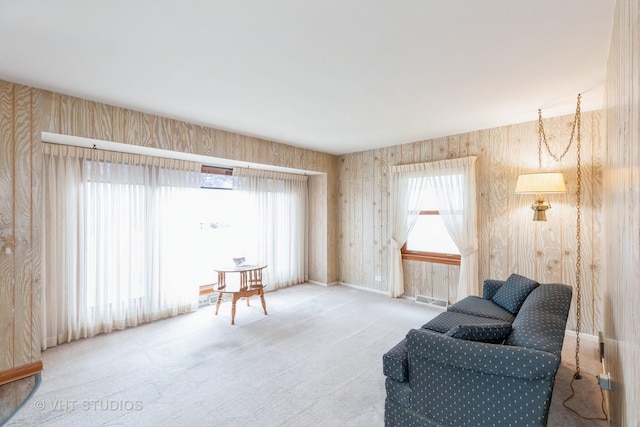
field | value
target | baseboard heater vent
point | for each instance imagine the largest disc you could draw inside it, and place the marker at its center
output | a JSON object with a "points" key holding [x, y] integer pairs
{"points": [[436, 302]]}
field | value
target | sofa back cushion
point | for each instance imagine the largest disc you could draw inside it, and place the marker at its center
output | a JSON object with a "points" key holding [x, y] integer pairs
{"points": [[490, 287], [515, 290], [541, 322], [493, 333]]}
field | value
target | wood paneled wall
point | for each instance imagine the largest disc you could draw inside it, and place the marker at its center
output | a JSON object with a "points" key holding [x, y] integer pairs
{"points": [[622, 212], [25, 112], [510, 242], [20, 280]]}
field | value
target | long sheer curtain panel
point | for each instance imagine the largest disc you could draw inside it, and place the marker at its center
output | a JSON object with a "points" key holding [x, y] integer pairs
{"points": [[454, 183], [274, 224], [116, 234], [407, 185]]}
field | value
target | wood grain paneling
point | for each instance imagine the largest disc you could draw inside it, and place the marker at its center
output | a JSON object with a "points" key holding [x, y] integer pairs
{"points": [[621, 232], [102, 122], [356, 210], [19, 219], [22, 226], [318, 229], [499, 161], [138, 129], [509, 241], [7, 264], [36, 221]]}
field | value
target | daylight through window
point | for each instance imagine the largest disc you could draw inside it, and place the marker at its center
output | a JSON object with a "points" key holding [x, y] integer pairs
{"points": [[429, 239]]}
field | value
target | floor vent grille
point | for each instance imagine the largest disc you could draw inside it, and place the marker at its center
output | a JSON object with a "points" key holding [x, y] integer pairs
{"points": [[436, 302]]}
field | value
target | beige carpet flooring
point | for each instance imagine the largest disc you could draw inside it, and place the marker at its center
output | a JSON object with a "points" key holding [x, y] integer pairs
{"points": [[315, 360]]}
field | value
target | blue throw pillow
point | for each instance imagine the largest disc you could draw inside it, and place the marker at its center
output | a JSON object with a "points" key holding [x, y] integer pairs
{"points": [[495, 333], [512, 294]]}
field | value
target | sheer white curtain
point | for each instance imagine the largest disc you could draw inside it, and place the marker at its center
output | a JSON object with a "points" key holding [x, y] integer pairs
{"points": [[116, 238], [407, 184], [454, 183], [274, 224]]}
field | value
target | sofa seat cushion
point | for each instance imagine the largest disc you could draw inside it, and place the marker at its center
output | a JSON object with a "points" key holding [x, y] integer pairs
{"points": [[515, 290], [448, 320], [476, 306], [494, 333]]}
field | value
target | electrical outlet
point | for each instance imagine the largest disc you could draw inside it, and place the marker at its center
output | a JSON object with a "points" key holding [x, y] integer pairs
{"points": [[604, 381]]}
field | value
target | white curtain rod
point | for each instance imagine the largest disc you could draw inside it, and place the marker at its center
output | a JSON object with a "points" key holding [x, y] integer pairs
{"points": [[78, 141]]}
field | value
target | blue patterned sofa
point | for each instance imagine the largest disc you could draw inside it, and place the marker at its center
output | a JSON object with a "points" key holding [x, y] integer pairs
{"points": [[487, 361]]}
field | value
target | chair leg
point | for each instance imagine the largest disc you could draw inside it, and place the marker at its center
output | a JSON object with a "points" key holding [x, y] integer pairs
{"points": [[264, 304], [233, 309], [218, 302]]}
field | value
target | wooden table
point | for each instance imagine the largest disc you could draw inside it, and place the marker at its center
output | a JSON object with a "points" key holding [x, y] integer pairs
{"points": [[250, 284]]}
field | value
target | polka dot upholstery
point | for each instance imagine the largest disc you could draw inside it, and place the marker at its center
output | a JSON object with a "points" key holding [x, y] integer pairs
{"points": [[495, 333], [490, 287], [541, 322], [448, 320], [395, 362], [481, 307], [512, 294], [457, 382], [399, 392], [398, 415]]}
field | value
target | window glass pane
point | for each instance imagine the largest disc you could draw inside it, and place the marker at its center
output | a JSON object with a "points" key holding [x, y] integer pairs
{"points": [[430, 235], [217, 181], [428, 199], [220, 214]]}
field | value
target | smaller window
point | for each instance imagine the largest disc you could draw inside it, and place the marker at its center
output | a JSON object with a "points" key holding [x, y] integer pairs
{"points": [[429, 239], [216, 178]]}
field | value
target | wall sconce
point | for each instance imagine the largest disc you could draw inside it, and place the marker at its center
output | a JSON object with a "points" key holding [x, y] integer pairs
{"points": [[539, 184]]}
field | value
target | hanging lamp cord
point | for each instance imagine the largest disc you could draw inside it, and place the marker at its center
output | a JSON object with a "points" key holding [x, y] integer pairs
{"points": [[578, 240], [542, 138]]}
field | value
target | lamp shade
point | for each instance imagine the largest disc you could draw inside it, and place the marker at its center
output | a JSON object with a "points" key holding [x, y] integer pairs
{"points": [[538, 183]]}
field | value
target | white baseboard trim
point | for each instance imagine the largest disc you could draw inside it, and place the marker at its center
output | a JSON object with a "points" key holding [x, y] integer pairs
{"points": [[584, 336], [362, 288], [315, 282]]}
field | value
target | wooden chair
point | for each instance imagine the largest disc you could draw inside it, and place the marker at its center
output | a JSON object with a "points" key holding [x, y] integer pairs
{"points": [[250, 284]]}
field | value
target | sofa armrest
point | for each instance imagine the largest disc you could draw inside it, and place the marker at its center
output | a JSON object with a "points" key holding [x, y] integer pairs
{"points": [[490, 287], [486, 358], [458, 382], [395, 362]]}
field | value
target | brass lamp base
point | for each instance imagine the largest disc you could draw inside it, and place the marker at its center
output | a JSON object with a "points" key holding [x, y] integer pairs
{"points": [[540, 209]]}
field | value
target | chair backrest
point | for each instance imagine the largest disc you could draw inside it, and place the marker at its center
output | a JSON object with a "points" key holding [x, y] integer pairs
{"points": [[254, 278]]}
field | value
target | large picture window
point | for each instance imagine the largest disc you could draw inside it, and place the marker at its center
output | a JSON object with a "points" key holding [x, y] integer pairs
{"points": [[258, 215], [117, 234]]}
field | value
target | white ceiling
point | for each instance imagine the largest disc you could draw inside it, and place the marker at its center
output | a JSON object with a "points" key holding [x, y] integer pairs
{"points": [[337, 76]]}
